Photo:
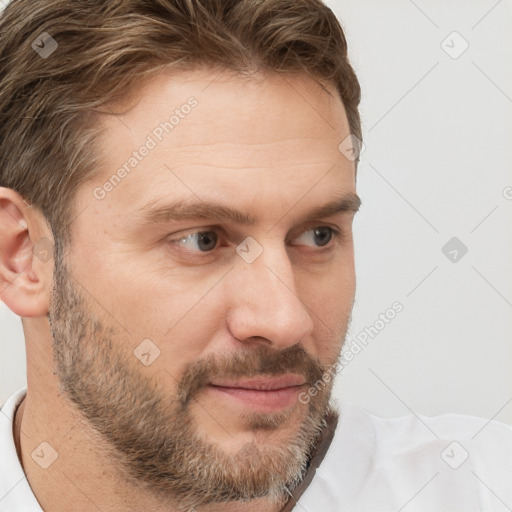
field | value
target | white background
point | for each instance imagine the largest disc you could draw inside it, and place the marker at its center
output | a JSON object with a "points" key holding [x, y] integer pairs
{"points": [[438, 135]]}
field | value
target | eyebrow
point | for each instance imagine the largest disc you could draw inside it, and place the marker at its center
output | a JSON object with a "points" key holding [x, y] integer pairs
{"points": [[152, 213]]}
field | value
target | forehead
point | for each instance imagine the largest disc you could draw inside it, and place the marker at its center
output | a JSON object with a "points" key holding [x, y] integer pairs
{"points": [[205, 130]]}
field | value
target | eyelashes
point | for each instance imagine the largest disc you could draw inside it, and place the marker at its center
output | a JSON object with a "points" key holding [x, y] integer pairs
{"points": [[207, 241]]}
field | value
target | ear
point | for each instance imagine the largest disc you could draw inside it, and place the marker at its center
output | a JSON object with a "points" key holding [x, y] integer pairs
{"points": [[26, 256]]}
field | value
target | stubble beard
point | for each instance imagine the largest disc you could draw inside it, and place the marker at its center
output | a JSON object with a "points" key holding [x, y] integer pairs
{"points": [[154, 440]]}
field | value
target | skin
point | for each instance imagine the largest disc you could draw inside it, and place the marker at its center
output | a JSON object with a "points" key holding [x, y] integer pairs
{"points": [[266, 147]]}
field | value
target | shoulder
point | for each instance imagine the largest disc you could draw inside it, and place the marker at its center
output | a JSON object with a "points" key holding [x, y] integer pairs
{"points": [[446, 462]]}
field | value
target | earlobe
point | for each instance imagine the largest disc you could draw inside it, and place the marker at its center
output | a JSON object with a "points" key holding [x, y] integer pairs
{"points": [[26, 257]]}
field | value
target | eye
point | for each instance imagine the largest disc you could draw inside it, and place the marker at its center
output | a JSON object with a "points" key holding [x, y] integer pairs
{"points": [[319, 236], [207, 241], [204, 241]]}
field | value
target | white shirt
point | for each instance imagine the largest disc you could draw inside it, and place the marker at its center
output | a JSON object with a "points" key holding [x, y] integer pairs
{"points": [[446, 463]]}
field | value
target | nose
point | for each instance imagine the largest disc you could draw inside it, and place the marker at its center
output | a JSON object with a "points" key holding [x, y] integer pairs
{"points": [[264, 302]]}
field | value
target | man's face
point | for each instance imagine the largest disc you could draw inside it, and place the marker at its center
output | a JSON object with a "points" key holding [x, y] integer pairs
{"points": [[160, 320]]}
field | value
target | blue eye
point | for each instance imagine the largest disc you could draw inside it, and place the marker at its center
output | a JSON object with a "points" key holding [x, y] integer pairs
{"points": [[205, 241], [320, 236], [208, 241]]}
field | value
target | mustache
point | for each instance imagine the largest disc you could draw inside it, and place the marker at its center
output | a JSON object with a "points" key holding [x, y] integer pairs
{"points": [[248, 363]]}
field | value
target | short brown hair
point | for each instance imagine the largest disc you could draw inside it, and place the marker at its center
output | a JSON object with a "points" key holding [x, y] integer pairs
{"points": [[47, 105]]}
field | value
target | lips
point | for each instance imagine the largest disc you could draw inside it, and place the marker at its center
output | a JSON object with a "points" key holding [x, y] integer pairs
{"points": [[262, 383]]}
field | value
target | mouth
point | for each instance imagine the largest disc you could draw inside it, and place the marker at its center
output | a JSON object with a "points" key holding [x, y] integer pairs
{"points": [[265, 394]]}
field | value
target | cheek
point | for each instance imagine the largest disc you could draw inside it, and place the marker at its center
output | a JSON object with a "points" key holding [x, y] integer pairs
{"points": [[329, 293], [171, 311], [329, 299], [141, 294]]}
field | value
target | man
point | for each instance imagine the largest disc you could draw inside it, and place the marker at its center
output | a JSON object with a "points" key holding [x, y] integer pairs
{"points": [[176, 234]]}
